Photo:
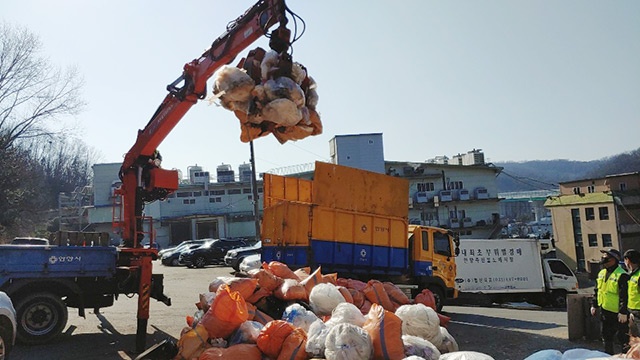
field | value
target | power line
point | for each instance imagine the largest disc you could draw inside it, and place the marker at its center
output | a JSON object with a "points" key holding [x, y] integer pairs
{"points": [[522, 178]]}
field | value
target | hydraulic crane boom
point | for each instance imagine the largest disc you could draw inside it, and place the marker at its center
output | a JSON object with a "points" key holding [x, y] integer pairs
{"points": [[142, 178]]}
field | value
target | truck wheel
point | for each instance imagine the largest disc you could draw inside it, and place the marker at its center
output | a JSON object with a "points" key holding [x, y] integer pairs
{"points": [[438, 294], [41, 317], [199, 262], [5, 342], [558, 299]]}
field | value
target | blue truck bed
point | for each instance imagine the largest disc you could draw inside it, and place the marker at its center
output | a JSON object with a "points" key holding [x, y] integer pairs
{"points": [[18, 261]]}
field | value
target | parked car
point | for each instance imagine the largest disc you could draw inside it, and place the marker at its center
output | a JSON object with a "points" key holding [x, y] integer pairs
{"points": [[210, 253], [234, 257], [172, 256], [249, 263], [7, 325], [29, 241]]}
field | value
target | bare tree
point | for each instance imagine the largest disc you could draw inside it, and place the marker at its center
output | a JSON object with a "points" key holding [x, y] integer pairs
{"points": [[34, 97], [65, 164], [32, 92]]}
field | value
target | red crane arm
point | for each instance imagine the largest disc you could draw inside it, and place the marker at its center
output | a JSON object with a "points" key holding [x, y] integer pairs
{"points": [[142, 181]]}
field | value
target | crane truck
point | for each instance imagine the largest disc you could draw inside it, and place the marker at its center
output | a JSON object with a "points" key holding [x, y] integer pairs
{"points": [[43, 281], [355, 222]]}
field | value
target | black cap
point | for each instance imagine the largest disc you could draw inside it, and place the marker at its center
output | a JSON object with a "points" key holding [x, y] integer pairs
{"points": [[633, 255], [611, 252]]}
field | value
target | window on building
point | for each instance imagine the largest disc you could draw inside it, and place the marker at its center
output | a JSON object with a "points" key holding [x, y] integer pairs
{"points": [[455, 185], [234, 191], [259, 190], [249, 197], [246, 191], [623, 186], [589, 214], [197, 193], [604, 213], [593, 240], [426, 216], [215, 199], [183, 194], [189, 201], [216, 192], [425, 186], [576, 190], [591, 189], [606, 240]]}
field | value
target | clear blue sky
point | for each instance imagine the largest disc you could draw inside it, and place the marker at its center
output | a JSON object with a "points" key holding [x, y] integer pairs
{"points": [[522, 80]]}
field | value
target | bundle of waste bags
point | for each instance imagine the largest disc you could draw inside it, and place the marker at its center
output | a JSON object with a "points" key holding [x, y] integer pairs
{"points": [[277, 313], [269, 94]]}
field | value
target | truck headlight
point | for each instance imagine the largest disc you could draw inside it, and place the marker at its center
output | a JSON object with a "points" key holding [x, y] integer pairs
{"points": [[232, 254]]}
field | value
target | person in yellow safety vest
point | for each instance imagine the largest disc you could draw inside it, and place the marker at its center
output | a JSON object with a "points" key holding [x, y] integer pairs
{"points": [[610, 294], [632, 263]]}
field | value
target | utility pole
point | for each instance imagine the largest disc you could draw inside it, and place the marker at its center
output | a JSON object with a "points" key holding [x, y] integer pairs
{"points": [[254, 189]]}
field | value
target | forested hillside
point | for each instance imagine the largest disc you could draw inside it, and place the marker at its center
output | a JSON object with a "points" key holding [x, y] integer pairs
{"points": [[546, 174]]}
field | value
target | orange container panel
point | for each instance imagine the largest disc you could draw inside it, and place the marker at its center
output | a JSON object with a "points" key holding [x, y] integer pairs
{"points": [[286, 224], [390, 231], [278, 188], [357, 228], [352, 189]]}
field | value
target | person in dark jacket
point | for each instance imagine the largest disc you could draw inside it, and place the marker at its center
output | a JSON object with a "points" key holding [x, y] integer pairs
{"points": [[611, 297]]}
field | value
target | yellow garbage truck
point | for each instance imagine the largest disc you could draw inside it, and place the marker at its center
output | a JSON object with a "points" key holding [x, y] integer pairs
{"points": [[355, 223]]}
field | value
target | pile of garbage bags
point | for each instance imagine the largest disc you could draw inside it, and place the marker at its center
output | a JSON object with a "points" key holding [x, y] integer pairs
{"points": [[269, 94], [276, 313]]}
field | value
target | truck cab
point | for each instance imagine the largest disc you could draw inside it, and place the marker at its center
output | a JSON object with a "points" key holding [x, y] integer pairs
{"points": [[433, 252], [559, 280]]}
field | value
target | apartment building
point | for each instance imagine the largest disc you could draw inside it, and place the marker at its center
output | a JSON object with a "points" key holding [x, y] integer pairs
{"points": [[463, 198], [592, 214]]}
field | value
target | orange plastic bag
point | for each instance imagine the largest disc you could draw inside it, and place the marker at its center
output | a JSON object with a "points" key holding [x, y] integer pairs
{"points": [[444, 320], [293, 347], [233, 352], [426, 297], [251, 311], [356, 284], [330, 278], [266, 280], [346, 294], [257, 295], [262, 317], [396, 294], [358, 298], [192, 342], [272, 337], [281, 270], [312, 280], [245, 286], [303, 273], [366, 307], [226, 313], [385, 329], [374, 292], [291, 290]]}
